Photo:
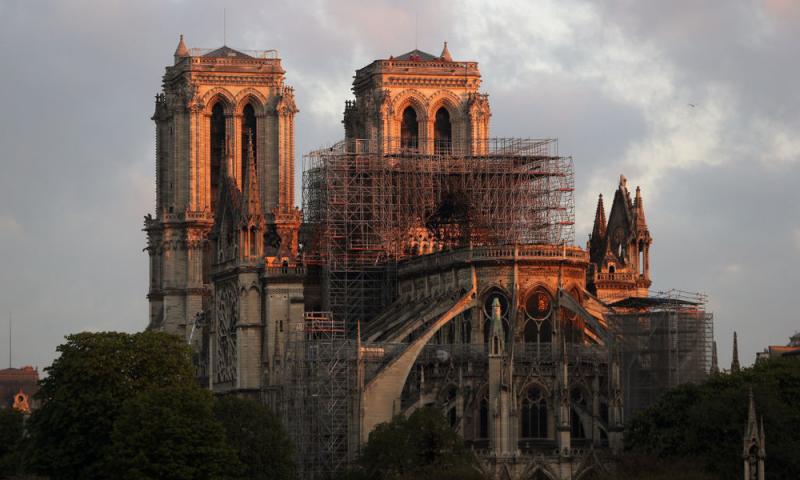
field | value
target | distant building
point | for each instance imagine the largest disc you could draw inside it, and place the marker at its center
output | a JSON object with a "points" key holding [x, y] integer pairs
{"points": [[774, 351], [17, 387]]}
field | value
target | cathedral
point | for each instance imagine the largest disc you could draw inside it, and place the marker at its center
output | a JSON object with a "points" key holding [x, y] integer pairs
{"points": [[431, 264]]}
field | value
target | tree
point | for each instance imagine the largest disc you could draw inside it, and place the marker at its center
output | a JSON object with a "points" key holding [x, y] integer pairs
{"points": [[11, 430], [170, 433], [419, 447], [84, 391], [257, 436], [707, 421]]}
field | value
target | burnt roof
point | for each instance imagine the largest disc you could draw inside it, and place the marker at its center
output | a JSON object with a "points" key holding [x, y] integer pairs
{"points": [[644, 302]]}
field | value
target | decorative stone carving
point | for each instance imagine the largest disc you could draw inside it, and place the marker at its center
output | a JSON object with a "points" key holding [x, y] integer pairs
{"points": [[227, 309]]}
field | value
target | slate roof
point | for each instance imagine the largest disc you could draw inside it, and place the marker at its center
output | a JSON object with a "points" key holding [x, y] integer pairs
{"points": [[417, 55], [226, 52]]}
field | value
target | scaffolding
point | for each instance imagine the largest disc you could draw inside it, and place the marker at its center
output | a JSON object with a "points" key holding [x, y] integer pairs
{"points": [[662, 340], [372, 205], [321, 403]]}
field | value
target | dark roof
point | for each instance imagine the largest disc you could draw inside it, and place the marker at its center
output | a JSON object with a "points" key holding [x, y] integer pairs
{"points": [[644, 302], [226, 52], [417, 55]]}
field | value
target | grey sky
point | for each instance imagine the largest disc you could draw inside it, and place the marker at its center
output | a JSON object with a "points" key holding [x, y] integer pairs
{"points": [[612, 80]]}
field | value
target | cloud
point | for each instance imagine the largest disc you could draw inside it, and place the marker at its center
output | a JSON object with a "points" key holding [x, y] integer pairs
{"points": [[612, 80], [9, 227]]}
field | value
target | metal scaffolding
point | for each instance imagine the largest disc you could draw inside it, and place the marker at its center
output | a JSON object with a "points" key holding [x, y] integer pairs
{"points": [[372, 205], [322, 396], [663, 340]]}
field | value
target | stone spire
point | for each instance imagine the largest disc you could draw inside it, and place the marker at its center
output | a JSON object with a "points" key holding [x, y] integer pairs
{"points": [[497, 328], [714, 361], [599, 230], [638, 209], [446, 54], [752, 425], [181, 51], [251, 203], [735, 360], [753, 451]]}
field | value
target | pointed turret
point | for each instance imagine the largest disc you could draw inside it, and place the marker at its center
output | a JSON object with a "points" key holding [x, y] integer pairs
{"points": [[446, 54], [753, 451], [599, 229], [752, 425], [714, 361], [251, 202], [181, 51], [638, 211], [735, 360], [497, 328]]}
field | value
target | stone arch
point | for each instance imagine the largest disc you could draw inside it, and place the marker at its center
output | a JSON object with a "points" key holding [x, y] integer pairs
{"points": [[482, 411], [447, 398], [493, 286], [219, 94], [535, 383], [381, 395], [484, 321], [579, 428], [535, 413], [539, 471], [413, 98], [254, 98], [448, 100]]}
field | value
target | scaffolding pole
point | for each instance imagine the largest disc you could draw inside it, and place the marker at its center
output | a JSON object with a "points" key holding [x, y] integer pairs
{"points": [[662, 346], [321, 403]]}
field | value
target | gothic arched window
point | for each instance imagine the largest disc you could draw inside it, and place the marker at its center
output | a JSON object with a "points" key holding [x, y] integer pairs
{"points": [[538, 310], [217, 137], [483, 417], [409, 129], [534, 414], [248, 128], [580, 404], [487, 313], [466, 327], [442, 131]]}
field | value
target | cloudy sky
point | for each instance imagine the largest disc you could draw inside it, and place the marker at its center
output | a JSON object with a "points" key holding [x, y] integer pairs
{"points": [[611, 80]]}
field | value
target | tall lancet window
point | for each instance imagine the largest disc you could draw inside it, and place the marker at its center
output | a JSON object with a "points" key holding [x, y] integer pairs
{"points": [[217, 137], [442, 132], [409, 129], [248, 127], [533, 416]]}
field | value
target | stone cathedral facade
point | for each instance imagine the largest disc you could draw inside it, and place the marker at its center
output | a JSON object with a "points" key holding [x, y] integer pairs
{"points": [[510, 340]]}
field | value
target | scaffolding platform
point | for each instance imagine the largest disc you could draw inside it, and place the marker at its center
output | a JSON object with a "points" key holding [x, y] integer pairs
{"points": [[372, 205], [663, 340]]}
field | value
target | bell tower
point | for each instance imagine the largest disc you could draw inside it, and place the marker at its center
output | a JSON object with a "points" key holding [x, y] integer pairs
{"points": [[420, 102], [216, 106]]}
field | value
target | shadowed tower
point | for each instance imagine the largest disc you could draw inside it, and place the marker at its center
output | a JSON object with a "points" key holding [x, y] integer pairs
{"points": [[211, 101]]}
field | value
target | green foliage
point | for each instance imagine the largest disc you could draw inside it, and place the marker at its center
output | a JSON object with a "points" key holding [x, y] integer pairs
{"points": [[85, 389], [170, 433], [11, 430], [257, 436], [422, 446], [707, 421]]}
